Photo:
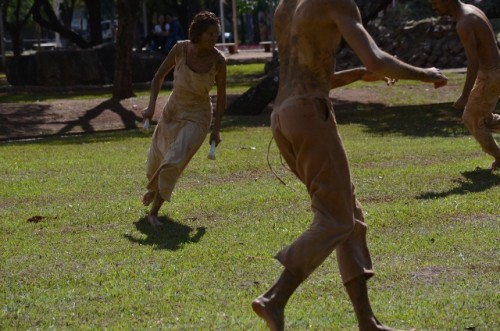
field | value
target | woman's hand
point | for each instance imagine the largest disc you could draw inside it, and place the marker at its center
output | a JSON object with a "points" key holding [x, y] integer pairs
{"points": [[147, 113], [215, 136]]}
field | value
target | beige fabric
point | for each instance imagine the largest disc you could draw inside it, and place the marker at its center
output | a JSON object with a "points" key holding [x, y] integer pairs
{"points": [[182, 127], [306, 133], [478, 115]]}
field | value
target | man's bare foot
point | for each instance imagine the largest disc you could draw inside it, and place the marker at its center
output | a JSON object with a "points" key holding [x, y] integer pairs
{"points": [[148, 198], [153, 220], [274, 318], [373, 324]]}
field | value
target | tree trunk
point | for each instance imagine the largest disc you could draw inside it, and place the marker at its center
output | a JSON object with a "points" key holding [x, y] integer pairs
{"points": [[253, 101], [17, 47], [127, 14], [94, 8], [15, 27]]}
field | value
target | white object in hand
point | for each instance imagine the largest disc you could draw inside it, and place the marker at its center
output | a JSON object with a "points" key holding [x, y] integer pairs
{"points": [[211, 154], [146, 125]]}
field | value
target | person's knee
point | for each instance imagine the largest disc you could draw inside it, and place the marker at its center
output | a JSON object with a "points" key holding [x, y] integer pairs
{"points": [[470, 121], [336, 229]]}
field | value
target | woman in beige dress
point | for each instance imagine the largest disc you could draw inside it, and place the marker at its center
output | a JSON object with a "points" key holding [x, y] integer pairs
{"points": [[186, 118]]}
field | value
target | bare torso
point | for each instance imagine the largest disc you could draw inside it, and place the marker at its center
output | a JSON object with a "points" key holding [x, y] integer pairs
{"points": [[474, 22], [307, 39]]}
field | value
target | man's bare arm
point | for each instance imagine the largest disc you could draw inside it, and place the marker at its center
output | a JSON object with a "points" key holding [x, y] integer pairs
{"points": [[348, 21], [220, 81], [468, 39], [346, 77], [157, 82]]}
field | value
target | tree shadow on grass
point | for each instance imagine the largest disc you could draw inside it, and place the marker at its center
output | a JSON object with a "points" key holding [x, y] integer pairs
{"points": [[15, 121], [472, 181], [128, 118], [172, 235], [433, 120], [436, 120]]}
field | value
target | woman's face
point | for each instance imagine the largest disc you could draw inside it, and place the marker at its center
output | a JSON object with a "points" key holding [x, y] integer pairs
{"points": [[210, 36]]}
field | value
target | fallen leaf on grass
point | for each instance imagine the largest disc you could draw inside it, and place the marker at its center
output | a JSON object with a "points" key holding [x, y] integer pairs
{"points": [[35, 219]]}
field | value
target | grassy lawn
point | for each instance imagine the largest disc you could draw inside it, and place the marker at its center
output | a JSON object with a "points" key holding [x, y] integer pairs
{"points": [[77, 253]]}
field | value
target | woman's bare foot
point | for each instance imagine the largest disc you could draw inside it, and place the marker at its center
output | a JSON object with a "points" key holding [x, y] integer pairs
{"points": [[273, 317], [496, 164], [148, 198], [153, 220]]}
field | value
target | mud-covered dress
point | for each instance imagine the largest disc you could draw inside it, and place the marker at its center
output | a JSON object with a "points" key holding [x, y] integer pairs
{"points": [[182, 127]]}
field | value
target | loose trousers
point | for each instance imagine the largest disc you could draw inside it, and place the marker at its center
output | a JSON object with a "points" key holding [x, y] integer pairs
{"points": [[478, 115], [305, 131]]}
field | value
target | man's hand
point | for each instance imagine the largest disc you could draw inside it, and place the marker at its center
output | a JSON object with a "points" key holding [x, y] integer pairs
{"points": [[434, 75]]}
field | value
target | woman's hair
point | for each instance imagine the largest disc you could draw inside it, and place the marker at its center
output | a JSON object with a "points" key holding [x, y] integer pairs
{"points": [[200, 23]]}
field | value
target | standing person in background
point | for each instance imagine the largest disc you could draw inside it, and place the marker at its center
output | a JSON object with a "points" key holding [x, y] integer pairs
{"points": [[185, 120], [482, 83], [308, 33], [175, 33]]}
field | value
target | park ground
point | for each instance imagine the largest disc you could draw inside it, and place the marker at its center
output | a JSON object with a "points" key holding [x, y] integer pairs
{"points": [[57, 117]]}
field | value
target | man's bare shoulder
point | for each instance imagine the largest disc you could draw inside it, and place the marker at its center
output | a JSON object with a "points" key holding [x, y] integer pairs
{"points": [[471, 18]]}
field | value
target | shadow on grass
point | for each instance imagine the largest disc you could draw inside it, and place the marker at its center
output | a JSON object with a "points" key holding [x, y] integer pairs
{"points": [[172, 235], [127, 117], [37, 122], [438, 120], [433, 120], [472, 181], [22, 119]]}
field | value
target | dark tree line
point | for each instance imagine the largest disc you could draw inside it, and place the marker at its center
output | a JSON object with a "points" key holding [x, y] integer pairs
{"points": [[16, 14]]}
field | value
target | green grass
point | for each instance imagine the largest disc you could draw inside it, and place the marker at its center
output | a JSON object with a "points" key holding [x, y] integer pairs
{"points": [[92, 262]]}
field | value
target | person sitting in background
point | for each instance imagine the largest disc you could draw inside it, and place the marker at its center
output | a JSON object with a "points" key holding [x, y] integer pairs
{"points": [[158, 36]]}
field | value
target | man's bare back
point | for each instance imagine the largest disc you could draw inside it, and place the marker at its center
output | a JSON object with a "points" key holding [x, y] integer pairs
{"points": [[477, 36]]}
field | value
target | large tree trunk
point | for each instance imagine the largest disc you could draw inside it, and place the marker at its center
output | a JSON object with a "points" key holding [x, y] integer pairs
{"points": [[127, 14], [15, 27], [255, 100], [94, 8]]}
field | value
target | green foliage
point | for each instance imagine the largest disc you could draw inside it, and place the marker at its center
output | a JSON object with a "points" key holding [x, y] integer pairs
{"points": [[16, 9]]}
